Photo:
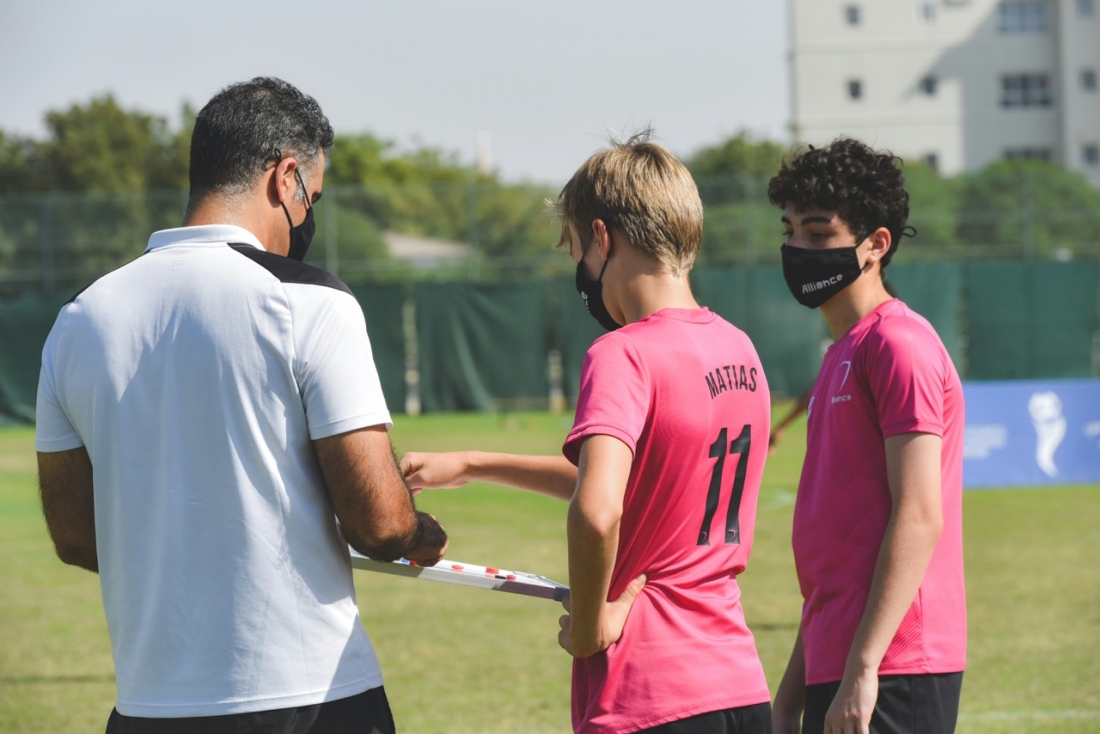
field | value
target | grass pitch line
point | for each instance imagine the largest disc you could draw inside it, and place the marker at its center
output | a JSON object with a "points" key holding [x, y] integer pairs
{"points": [[1029, 715]]}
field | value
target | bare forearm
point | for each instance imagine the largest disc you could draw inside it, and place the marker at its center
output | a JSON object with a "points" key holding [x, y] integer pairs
{"points": [[383, 543], [372, 501], [903, 558], [553, 476], [80, 556], [790, 698], [593, 543], [68, 505]]}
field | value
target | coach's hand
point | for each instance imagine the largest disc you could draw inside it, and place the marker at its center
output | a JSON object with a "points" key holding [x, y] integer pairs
{"points": [[431, 541], [612, 620], [434, 471], [850, 712]]}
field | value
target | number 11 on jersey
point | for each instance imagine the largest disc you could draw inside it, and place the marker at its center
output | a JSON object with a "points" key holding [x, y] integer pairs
{"points": [[718, 451]]}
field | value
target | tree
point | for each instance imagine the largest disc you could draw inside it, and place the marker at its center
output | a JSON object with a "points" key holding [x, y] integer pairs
{"points": [[101, 147], [933, 210], [428, 191], [740, 223], [1028, 208]]}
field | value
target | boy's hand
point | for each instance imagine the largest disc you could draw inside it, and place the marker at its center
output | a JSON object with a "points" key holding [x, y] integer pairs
{"points": [[850, 712], [613, 619], [434, 471]]}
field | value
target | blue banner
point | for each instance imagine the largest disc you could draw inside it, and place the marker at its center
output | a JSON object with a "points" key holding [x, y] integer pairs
{"points": [[1032, 432]]}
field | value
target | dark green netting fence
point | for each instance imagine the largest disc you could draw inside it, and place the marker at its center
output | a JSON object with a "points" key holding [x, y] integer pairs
{"points": [[482, 345], [24, 325], [383, 306], [574, 330], [934, 290], [1030, 319], [485, 346], [788, 336]]}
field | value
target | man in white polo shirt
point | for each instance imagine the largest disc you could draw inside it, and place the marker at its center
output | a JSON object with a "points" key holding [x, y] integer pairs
{"points": [[212, 434]]}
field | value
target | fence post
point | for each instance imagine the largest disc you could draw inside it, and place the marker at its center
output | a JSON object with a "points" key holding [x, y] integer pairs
{"points": [[747, 184], [45, 235], [1027, 196], [332, 250], [471, 230]]}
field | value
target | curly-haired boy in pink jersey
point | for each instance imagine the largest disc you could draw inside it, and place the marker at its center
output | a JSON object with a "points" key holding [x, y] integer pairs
{"points": [[878, 520], [662, 468]]}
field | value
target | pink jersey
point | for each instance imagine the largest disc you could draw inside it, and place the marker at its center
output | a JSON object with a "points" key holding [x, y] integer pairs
{"points": [[683, 389], [889, 375]]}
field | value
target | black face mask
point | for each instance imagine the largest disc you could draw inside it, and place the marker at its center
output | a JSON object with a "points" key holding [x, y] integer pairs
{"points": [[815, 276], [302, 235], [592, 293]]}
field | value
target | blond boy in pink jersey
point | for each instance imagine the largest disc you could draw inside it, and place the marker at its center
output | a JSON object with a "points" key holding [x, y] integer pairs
{"points": [[878, 521], [662, 467]]}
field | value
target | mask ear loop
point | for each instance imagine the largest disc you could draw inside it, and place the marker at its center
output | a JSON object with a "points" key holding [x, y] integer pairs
{"points": [[599, 278]]}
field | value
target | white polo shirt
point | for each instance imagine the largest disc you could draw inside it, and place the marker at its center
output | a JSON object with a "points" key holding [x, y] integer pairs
{"points": [[196, 376]]}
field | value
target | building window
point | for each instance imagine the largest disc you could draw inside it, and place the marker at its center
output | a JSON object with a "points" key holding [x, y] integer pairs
{"points": [[1088, 80], [1086, 8], [1026, 90], [932, 160], [851, 14], [1023, 16], [855, 89], [928, 85], [928, 12], [1091, 154], [1028, 154]]}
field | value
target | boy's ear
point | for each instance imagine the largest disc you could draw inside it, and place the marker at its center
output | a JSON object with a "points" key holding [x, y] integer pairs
{"points": [[601, 238], [880, 244]]}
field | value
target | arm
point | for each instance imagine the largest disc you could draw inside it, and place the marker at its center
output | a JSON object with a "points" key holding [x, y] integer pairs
{"points": [[790, 698], [916, 520], [592, 623], [372, 501], [68, 503], [552, 476]]}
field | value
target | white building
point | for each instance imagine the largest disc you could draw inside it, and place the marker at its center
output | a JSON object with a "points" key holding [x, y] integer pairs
{"points": [[957, 83]]}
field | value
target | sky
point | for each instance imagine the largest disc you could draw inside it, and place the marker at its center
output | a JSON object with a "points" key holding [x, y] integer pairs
{"points": [[543, 83]]}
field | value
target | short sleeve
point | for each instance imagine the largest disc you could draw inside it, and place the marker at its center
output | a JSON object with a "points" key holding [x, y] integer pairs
{"points": [[614, 397], [53, 431], [907, 377], [333, 363]]}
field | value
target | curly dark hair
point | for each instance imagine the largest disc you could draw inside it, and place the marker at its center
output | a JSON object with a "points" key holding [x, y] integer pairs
{"points": [[864, 187]]}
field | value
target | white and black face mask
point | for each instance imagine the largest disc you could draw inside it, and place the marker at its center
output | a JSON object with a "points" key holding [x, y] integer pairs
{"points": [[815, 276]]}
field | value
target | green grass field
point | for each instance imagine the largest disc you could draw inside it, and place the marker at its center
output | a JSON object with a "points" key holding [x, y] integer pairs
{"points": [[465, 660]]}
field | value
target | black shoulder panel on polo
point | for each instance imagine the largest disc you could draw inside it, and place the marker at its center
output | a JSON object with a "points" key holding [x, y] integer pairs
{"points": [[77, 294], [290, 271]]}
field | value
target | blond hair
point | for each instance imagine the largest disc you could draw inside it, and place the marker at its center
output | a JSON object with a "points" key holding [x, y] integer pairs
{"points": [[641, 189]]}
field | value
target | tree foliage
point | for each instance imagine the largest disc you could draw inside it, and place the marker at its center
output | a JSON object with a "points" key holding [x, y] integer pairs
{"points": [[98, 146], [428, 191], [732, 176], [87, 194], [1031, 206]]}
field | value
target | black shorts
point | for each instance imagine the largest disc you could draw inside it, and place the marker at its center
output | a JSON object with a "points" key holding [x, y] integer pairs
{"points": [[756, 719], [366, 713], [907, 704]]}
